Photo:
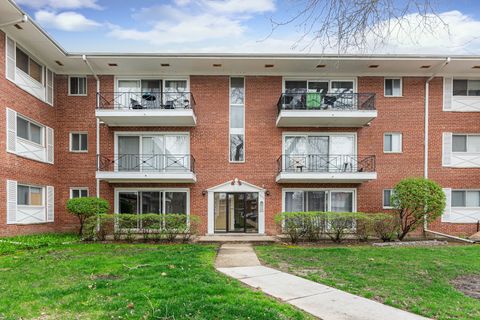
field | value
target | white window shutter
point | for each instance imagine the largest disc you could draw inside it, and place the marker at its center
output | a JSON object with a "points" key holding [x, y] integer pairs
{"points": [[448, 204], [11, 201], [447, 93], [11, 130], [10, 59], [50, 204], [49, 86], [447, 149], [50, 147]]}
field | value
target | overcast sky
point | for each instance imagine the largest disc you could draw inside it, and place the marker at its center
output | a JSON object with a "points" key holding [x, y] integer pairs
{"points": [[222, 26]]}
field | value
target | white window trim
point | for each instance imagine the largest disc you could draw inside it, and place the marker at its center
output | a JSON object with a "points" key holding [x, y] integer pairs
{"points": [[466, 190], [352, 190], [78, 188], [401, 142], [467, 135], [43, 205], [385, 87], [86, 86], [383, 198], [39, 61], [42, 133], [236, 131], [324, 79], [70, 141]]}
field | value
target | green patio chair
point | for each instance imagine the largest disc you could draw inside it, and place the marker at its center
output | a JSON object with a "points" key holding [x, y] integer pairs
{"points": [[314, 100]]}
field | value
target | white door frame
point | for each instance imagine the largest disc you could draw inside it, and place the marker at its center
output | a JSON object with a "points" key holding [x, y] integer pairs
{"points": [[236, 186]]}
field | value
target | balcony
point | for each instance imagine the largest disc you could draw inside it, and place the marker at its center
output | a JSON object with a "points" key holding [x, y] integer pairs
{"points": [[314, 109], [167, 109], [316, 168], [164, 168]]}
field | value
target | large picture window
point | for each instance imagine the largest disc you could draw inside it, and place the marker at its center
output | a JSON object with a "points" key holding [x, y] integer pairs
{"points": [[319, 152], [153, 152], [237, 120], [152, 202], [319, 200]]}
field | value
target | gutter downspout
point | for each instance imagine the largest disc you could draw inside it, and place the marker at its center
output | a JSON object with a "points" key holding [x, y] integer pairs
{"points": [[97, 145], [11, 23], [425, 168]]}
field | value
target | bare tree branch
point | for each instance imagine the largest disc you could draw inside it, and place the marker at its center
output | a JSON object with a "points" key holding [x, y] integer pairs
{"points": [[345, 25]]}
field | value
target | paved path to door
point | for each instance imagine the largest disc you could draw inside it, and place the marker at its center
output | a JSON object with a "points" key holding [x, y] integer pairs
{"points": [[240, 262]]}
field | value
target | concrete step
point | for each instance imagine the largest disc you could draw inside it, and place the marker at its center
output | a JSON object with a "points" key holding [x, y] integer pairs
{"points": [[236, 238], [475, 236]]}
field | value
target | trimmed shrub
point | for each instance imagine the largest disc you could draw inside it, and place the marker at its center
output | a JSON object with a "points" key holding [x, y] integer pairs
{"points": [[417, 200], [87, 207], [154, 227], [385, 226], [337, 226]]}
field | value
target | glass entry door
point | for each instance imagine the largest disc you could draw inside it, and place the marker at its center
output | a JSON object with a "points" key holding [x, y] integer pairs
{"points": [[236, 212]]}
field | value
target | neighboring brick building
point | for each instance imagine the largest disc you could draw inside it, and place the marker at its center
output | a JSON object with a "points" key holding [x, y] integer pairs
{"points": [[234, 139]]}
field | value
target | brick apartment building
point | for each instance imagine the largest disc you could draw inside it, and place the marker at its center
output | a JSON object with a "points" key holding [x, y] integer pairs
{"points": [[234, 139]]}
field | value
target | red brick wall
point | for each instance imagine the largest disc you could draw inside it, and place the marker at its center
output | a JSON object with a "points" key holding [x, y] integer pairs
{"points": [[209, 141]]}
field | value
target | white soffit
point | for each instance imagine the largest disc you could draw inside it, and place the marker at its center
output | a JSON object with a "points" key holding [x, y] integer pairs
{"points": [[43, 47]]}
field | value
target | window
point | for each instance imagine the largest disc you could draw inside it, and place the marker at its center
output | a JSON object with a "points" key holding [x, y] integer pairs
{"points": [[77, 86], [392, 142], [319, 200], [152, 201], [29, 195], [78, 142], [78, 193], [321, 86], [25, 63], [153, 152], [466, 198], [237, 120], [393, 87], [387, 198], [466, 87], [466, 143], [29, 131]]}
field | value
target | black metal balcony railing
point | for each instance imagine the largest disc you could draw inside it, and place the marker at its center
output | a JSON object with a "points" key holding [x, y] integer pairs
{"points": [[146, 163], [145, 100], [326, 101], [325, 163]]}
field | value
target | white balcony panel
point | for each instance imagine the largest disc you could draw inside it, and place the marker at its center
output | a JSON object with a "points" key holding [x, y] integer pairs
{"points": [[146, 117], [325, 177], [325, 118], [161, 177]]}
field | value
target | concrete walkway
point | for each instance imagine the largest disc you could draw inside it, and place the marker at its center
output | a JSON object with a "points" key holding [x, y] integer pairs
{"points": [[240, 262]]}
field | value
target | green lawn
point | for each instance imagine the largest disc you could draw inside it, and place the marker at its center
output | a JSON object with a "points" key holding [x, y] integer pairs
{"points": [[124, 281], [414, 279]]}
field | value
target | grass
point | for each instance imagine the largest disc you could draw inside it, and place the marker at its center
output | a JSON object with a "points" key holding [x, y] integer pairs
{"points": [[29, 242], [416, 279], [126, 281]]}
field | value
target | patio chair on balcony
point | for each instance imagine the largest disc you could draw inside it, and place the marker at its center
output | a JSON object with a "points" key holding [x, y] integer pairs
{"points": [[329, 101], [314, 100], [134, 104]]}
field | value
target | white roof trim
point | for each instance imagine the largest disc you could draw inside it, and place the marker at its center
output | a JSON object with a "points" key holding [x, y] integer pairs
{"points": [[236, 186]]}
